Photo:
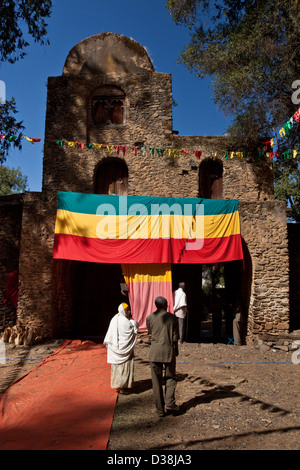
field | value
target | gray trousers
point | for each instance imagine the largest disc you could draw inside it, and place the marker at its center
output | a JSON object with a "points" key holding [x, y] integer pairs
{"points": [[157, 369], [181, 326]]}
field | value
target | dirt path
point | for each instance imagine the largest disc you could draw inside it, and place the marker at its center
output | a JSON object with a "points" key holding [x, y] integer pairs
{"points": [[231, 398]]}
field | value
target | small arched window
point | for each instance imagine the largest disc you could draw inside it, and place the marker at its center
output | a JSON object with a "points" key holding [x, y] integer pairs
{"points": [[211, 179], [108, 107]]}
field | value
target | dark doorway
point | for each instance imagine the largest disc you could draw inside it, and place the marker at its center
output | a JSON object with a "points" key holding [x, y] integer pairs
{"points": [[213, 303], [211, 179], [294, 275], [96, 298], [212, 291], [85, 298], [191, 274], [111, 177]]}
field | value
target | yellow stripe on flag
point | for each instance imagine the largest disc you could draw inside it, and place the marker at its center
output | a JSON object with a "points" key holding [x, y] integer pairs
{"points": [[145, 227], [147, 273]]}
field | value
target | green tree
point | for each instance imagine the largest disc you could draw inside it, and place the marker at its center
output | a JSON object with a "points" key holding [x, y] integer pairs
{"points": [[287, 186], [251, 51], [12, 181], [15, 16], [9, 127]]}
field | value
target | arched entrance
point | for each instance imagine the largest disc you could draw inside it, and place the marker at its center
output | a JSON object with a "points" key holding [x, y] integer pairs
{"points": [[212, 291], [191, 274], [86, 295]]}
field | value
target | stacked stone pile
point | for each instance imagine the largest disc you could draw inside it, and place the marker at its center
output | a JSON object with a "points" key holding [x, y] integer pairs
{"points": [[22, 335]]}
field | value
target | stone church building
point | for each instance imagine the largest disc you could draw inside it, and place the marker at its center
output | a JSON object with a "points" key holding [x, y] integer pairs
{"points": [[109, 130]]}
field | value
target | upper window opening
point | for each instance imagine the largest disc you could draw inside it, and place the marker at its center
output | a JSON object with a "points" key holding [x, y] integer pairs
{"points": [[108, 107], [211, 179]]}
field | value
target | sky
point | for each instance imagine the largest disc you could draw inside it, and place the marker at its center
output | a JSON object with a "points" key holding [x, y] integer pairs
{"points": [[147, 22]]}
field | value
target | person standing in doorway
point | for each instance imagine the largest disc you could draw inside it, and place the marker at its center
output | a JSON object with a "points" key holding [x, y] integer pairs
{"points": [[180, 309], [163, 328]]}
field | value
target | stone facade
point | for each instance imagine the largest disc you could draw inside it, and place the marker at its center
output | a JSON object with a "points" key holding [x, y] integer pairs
{"points": [[10, 231], [35, 265], [112, 64], [264, 231]]}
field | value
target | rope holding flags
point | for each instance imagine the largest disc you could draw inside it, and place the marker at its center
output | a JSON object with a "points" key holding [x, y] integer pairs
{"points": [[176, 153]]}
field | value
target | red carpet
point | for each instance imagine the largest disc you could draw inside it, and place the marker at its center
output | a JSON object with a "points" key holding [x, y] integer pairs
{"points": [[65, 403]]}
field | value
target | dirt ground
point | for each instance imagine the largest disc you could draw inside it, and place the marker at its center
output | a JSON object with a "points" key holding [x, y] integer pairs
{"points": [[231, 398]]}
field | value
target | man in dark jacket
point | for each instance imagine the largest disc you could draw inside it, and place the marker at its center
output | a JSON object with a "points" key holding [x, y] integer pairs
{"points": [[163, 328]]}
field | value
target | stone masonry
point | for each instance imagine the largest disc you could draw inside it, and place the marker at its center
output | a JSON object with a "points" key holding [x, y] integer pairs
{"points": [[112, 62]]}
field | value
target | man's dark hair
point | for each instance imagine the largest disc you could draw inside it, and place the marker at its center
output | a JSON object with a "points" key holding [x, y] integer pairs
{"points": [[161, 303]]}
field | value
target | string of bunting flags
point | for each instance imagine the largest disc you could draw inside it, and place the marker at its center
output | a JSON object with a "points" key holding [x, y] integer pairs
{"points": [[153, 150], [12, 138], [122, 149], [283, 132], [178, 152], [111, 148]]}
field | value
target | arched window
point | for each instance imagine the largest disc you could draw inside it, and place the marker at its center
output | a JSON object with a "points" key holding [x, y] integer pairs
{"points": [[117, 112], [111, 177], [108, 107], [211, 179]]}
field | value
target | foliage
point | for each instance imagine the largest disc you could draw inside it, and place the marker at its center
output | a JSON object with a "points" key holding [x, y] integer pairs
{"points": [[14, 14], [12, 181], [9, 126], [251, 51], [287, 184]]}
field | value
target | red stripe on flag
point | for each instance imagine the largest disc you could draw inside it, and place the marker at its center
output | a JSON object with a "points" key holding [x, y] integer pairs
{"points": [[214, 250]]}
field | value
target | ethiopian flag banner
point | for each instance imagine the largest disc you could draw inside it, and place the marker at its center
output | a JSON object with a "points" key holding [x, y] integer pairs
{"points": [[145, 230]]}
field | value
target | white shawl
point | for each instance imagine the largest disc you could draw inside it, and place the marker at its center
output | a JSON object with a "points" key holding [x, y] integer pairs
{"points": [[120, 338]]}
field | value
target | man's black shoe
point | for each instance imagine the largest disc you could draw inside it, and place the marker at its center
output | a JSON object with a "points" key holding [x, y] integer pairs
{"points": [[173, 409]]}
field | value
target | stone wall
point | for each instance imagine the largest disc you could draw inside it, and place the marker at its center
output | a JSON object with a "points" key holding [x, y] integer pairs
{"points": [[266, 275], [148, 124], [35, 266], [10, 231], [264, 231], [73, 169], [242, 179]]}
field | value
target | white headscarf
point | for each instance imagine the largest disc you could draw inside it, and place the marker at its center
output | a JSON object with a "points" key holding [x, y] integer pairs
{"points": [[120, 337]]}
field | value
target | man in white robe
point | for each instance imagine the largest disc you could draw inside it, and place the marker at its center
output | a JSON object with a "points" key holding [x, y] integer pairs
{"points": [[120, 340], [180, 309]]}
